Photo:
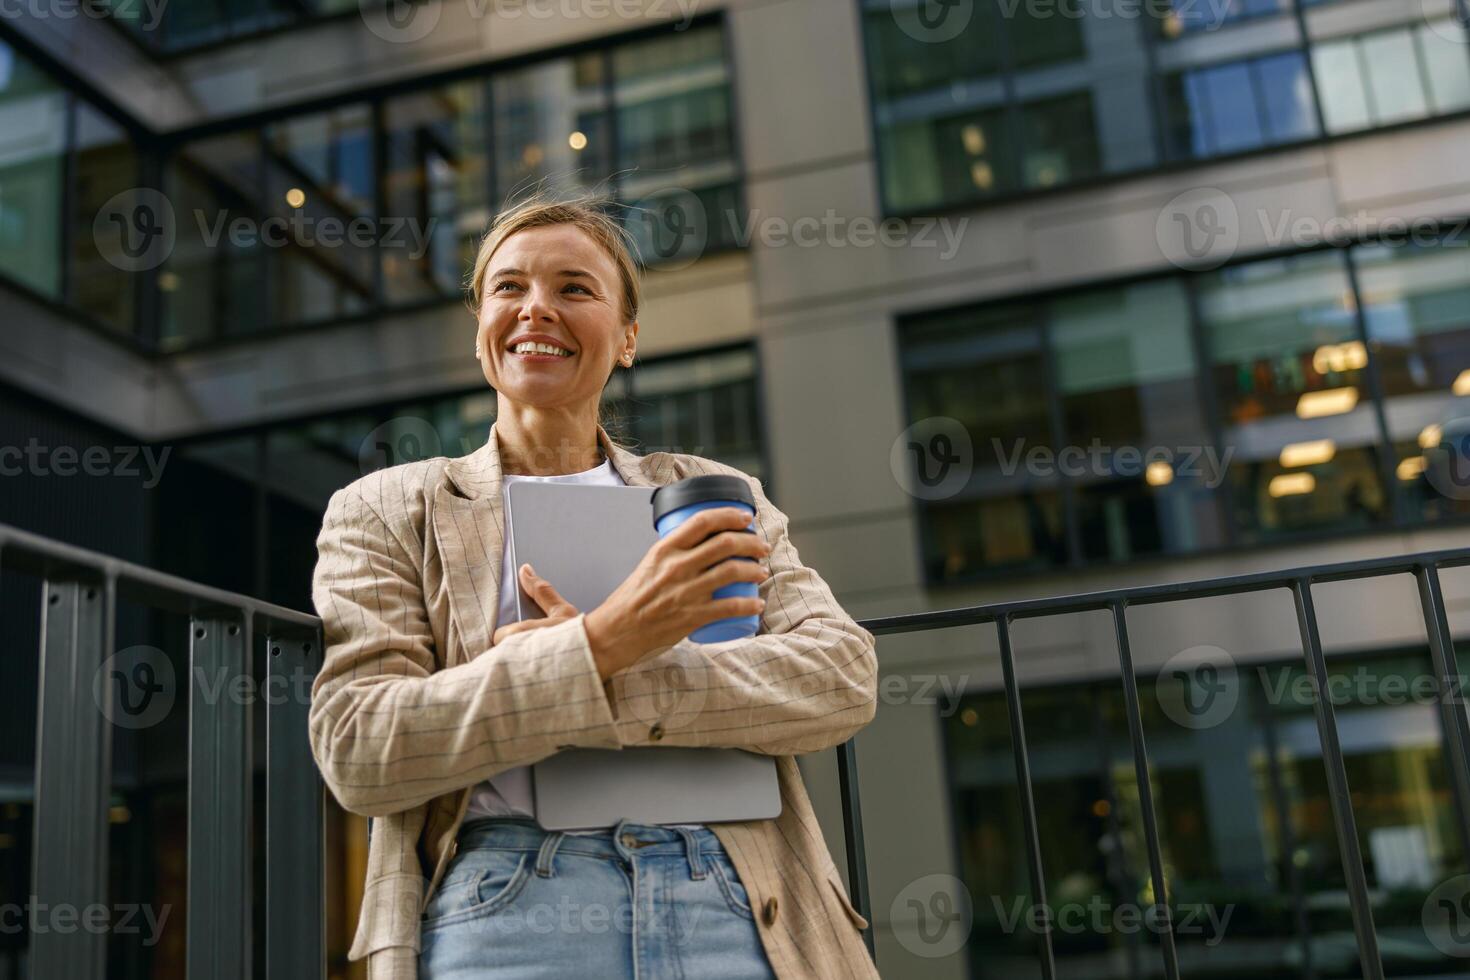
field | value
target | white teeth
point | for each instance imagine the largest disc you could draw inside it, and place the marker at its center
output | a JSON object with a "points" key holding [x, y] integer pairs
{"points": [[532, 347]]}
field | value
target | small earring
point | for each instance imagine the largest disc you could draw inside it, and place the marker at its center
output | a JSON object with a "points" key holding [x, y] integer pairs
{"points": [[628, 357], [477, 352]]}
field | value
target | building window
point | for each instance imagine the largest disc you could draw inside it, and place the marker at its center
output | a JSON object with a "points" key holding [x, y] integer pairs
{"points": [[33, 126], [1194, 412], [1393, 76], [973, 103], [332, 231], [1244, 817]]}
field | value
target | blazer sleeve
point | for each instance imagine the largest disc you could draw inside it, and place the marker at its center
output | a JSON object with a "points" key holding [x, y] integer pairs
{"points": [[390, 731], [807, 681]]}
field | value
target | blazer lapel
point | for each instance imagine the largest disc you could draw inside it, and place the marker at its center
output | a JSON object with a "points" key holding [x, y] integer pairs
{"points": [[469, 529]]}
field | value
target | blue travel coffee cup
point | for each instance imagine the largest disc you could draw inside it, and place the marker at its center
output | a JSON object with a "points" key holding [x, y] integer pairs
{"points": [[676, 503]]}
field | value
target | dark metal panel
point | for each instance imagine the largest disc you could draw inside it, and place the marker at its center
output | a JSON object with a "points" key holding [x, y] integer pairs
{"points": [[295, 901], [1028, 799], [70, 836], [220, 887], [1337, 784], [1145, 794]]}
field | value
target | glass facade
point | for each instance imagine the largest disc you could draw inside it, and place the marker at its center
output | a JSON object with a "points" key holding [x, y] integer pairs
{"points": [[976, 102], [380, 203], [172, 28], [1313, 393], [1250, 850]]}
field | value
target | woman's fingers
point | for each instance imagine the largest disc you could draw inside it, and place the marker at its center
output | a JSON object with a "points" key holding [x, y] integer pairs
{"points": [[545, 595]]}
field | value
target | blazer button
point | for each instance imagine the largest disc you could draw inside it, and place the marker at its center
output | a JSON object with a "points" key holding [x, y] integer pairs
{"points": [[770, 912], [657, 731]]}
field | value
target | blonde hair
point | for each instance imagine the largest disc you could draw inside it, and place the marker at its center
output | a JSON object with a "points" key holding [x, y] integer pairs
{"points": [[589, 212]]}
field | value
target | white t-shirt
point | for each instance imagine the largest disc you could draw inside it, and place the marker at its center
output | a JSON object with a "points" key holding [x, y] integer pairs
{"points": [[509, 792]]}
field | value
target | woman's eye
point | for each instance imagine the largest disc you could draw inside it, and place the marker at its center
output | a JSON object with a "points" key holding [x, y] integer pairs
{"points": [[576, 285], [503, 282]]}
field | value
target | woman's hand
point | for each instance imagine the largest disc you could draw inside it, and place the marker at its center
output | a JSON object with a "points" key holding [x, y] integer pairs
{"points": [[671, 592], [556, 608]]}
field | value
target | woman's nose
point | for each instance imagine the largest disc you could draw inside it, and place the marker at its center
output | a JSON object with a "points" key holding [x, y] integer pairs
{"points": [[536, 305]]}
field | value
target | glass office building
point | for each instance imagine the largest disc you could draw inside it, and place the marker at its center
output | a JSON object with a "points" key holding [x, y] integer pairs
{"points": [[320, 189]]}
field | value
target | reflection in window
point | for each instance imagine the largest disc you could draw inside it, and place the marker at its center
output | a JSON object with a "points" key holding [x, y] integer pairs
{"points": [[1244, 823], [435, 190], [1289, 376], [32, 172], [1416, 300], [1021, 97], [105, 164], [1127, 380], [1240, 106], [1392, 76]]}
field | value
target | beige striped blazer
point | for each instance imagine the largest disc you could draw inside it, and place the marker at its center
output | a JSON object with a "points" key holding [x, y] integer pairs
{"points": [[414, 706]]}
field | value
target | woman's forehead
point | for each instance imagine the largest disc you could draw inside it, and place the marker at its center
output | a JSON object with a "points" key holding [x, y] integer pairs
{"points": [[548, 245]]}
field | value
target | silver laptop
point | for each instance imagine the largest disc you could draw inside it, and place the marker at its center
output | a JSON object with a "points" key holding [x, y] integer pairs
{"points": [[586, 540]]}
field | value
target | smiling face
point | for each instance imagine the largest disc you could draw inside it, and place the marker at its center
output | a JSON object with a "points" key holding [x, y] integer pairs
{"points": [[556, 285]]}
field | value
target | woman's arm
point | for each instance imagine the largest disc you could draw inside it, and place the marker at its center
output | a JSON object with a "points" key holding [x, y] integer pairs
{"points": [[388, 730], [807, 681]]}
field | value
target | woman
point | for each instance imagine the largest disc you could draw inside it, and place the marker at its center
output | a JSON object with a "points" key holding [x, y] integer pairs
{"points": [[425, 714]]}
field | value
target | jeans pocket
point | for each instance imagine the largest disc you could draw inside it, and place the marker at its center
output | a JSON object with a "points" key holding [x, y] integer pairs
{"points": [[483, 881], [725, 875]]}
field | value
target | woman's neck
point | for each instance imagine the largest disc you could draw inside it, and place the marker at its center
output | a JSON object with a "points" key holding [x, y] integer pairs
{"points": [[534, 442]]}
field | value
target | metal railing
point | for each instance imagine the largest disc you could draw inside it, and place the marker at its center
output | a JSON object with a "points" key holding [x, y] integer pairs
{"points": [[80, 594], [1425, 569], [79, 597]]}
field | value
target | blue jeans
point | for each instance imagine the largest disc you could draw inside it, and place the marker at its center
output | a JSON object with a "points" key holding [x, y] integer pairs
{"points": [[634, 901]]}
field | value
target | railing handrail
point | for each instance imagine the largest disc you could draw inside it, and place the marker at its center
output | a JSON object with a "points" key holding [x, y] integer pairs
{"points": [[1140, 595], [44, 556]]}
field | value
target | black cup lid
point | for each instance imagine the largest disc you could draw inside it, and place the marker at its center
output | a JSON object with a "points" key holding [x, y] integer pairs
{"points": [[698, 490]]}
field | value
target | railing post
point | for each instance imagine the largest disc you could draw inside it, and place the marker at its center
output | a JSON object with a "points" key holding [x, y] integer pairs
{"points": [[294, 846], [852, 835], [1028, 800], [1145, 792], [220, 892], [1450, 695], [1337, 784], [73, 765]]}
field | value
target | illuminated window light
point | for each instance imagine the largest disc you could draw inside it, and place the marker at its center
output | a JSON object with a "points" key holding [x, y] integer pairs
{"points": [[296, 197], [1410, 468], [577, 141], [1349, 356], [974, 139], [1159, 474], [1430, 437], [981, 174], [1332, 401], [1462, 383], [1291, 484], [1308, 453]]}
